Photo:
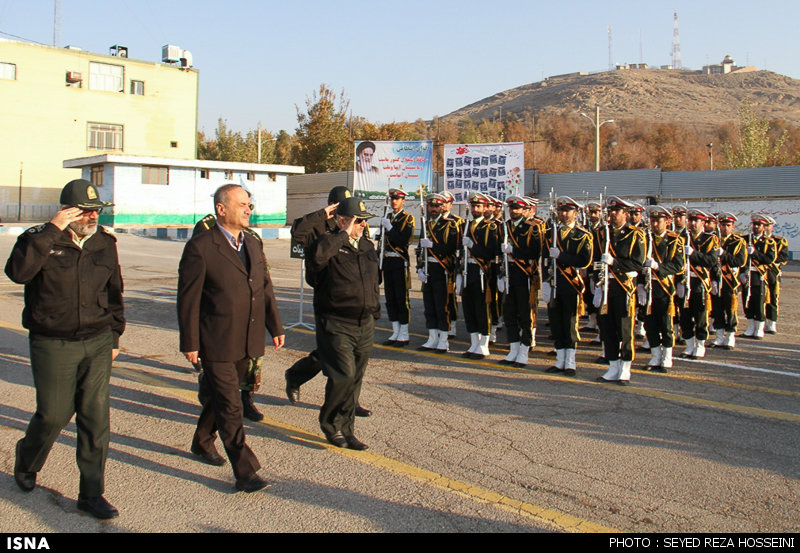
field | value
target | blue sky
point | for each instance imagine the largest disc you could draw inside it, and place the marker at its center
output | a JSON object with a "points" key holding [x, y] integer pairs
{"points": [[405, 60]]}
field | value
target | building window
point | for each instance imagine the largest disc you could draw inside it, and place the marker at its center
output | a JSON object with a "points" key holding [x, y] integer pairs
{"points": [[251, 175], [104, 76], [204, 173], [173, 144], [97, 175], [8, 71], [152, 174], [105, 137], [137, 88], [272, 177], [228, 174]]}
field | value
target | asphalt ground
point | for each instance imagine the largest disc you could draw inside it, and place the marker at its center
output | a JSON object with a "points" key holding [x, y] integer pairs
{"points": [[455, 445]]}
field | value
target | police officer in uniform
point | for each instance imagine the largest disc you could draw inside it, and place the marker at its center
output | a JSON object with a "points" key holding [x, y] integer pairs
{"points": [[624, 259], [397, 229], [664, 260], [733, 260], [562, 287], [762, 253], [74, 315]]}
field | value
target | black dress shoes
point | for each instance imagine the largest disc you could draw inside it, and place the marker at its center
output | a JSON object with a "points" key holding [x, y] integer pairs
{"points": [[553, 369], [355, 443], [362, 412], [25, 480], [98, 507], [252, 483], [209, 457], [337, 439], [292, 392], [249, 408]]}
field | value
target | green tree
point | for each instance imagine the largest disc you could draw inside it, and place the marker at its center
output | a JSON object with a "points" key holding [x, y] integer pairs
{"points": [[752, 145], [322, 142]]}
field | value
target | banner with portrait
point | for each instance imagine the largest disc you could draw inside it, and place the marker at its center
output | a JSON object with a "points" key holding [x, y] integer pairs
{"points": [[497, 170], [381, 165]]}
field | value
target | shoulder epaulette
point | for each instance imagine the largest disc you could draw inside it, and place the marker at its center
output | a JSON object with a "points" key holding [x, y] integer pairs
{"points": [[37, 228], [251, 232]]}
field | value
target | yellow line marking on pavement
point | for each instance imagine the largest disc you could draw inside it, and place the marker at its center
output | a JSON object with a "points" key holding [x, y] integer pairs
{"points": [[12, 326], [778, 415], [561, 521]]}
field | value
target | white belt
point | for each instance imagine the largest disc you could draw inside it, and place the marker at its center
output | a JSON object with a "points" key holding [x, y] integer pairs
{"points": [[392, 254], [471, 260], [632, 274]]}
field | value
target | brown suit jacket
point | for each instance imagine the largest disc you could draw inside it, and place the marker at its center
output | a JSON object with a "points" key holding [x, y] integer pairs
{"points": [[222, 310]]}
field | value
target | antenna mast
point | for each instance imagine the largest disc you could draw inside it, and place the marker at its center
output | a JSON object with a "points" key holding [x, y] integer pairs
{"points": [[676, 44], [56, 22], [610, 59]]}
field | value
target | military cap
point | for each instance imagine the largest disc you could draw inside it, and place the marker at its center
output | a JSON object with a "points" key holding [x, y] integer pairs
{"points": [[594, 205], [565, 202], [353, 207], [658, 211], [636, 208], [770, 219], [495, 201], [435, 198], [81, 193], [727, 217], [479, 198], [679, 209], [448, 197], [759, 218], [615, 202], [397, 193], [517, 201], [337, 194], [698, 214], [532, 201]]}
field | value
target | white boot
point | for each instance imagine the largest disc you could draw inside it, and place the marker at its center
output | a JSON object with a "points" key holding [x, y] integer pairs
{"points": [[640, 329], [699, 349], [689, 351], [493, 335], [395, 332], [560, 358], [473, 344], [482, 351], [759, 332], [624, 372], [655, 357], [666, 360], [770, 328], [402, 336], [614, 368], [751, 328], [513, 352], [533, 338], [443, 345], [433, 339], [522, 357], [730, 340], [646, 343], [569, 362], [452, 331], [720, 340]]}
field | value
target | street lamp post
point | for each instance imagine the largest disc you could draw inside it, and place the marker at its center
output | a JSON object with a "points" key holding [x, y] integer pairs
{"points": [[710, 156], [597, 124]]}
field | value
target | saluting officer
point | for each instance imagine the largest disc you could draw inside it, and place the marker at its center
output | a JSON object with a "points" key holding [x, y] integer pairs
{"points": [[663, 262], [625, 258], [702, 269], [398, 228], [732, 259], [774, 277], [436, 273], [522, 248], [763, 253], [570, 252]]}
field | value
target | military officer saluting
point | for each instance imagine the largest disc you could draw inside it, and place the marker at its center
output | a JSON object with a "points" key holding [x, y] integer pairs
{"points": [[663, 261], [565, 254], [763, 253], [732, 260], [436, 256], [398, 227], [624, 260]]}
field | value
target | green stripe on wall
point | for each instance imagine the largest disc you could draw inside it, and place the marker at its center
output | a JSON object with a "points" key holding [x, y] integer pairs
{"points": [[161, 219]]}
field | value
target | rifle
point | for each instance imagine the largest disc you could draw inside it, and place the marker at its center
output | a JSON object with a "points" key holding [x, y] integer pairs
{"points": [[383, 232], [749, 267], [649, 269], [424, 229], [553, 265], [604, 218], [507, 229]]}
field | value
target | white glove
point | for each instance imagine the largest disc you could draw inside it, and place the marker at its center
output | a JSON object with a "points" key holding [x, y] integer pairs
{"points": [[743, 277], [641, 294], [714, 288], [459, 284], [651, 263], [425, 243], [386, 223], [554, 252], [423, 278], [720, 251], [607, 258], [547, 292], [592, 286], [689, 250], [681, 290], [467, 241], [598, 297], [508, 247], [751, 249], [501, 284]]}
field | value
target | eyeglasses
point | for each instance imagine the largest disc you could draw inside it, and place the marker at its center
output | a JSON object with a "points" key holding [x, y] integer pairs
{"points": [[86, 212]]}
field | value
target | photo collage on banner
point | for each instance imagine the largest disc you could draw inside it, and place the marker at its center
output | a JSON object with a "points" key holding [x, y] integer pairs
{"points": [[493, 169], [381, 165]]}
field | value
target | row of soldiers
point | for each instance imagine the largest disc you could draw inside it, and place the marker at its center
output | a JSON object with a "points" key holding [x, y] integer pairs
{"points": [[671, 272]]}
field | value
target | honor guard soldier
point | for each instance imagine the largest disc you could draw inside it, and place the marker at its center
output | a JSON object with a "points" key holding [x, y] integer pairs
{"points": [[594, 211], [495, 295], [732, 260], [564, 255], [521, 247], [679, 213], [774, 277], [436, 257], [701, 270], [763, 253], [636, 219], [624, 260], [452, 299], [481, 244], [398, 227], [664, 260]]}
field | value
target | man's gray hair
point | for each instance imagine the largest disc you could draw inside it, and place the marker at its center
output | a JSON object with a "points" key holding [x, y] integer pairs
{"points": [[221, 195]]}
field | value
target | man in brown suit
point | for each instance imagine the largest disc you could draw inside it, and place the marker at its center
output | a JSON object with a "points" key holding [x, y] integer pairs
{"points": [[225, 302]]}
